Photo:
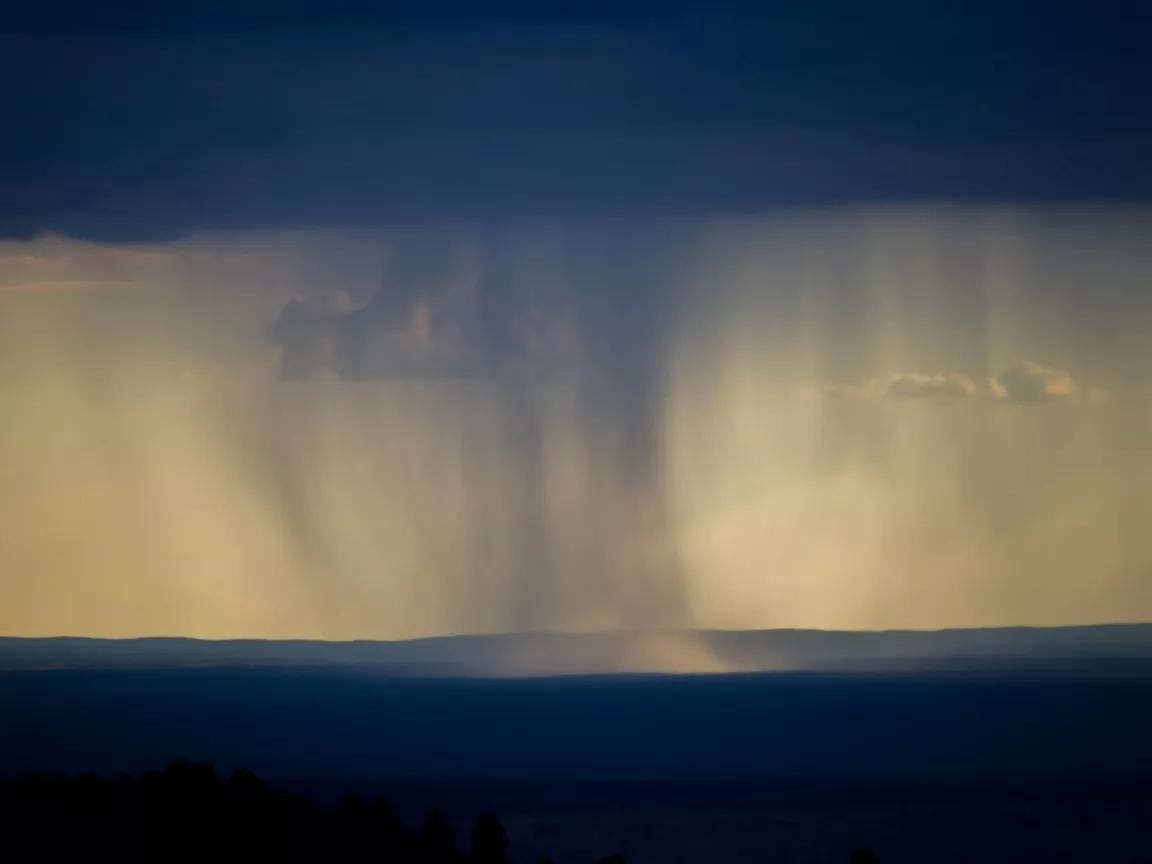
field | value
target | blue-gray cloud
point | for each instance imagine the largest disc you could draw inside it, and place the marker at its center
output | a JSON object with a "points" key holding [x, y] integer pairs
{"points": [[162, 122]]}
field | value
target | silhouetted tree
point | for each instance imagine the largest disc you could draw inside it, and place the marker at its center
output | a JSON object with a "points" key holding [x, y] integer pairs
{"points": [[386, 828], [863, 855], [190, 779], [489, 840], [244, 786], [186, 814], [351, 806], [438, 840]]}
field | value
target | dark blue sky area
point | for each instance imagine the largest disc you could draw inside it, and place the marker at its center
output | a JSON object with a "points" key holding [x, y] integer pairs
{"points": [[138, 120]]}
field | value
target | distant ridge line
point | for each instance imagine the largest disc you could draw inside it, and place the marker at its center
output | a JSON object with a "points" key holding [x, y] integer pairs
{"points": [[1007, 628], [613, 652]]}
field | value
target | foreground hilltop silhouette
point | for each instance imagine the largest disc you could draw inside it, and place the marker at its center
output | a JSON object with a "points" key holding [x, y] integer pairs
{"points": [[187, 813]]}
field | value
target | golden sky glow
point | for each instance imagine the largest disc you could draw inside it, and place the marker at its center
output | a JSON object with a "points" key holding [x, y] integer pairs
{"points": [[899, 417]]}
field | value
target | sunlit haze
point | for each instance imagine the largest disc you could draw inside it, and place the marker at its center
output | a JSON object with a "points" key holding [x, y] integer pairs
{"points": [[849, 417]]}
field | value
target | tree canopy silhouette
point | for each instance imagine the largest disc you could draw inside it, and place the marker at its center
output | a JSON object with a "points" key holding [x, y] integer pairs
{"points": [[188, 813], [489, 841]]}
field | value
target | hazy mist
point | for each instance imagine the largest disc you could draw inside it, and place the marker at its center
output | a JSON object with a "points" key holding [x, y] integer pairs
{"points": [[849, 418]]}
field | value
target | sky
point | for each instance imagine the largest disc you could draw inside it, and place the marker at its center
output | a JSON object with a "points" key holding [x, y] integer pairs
{"points": [[134, 120], [351, 320]]}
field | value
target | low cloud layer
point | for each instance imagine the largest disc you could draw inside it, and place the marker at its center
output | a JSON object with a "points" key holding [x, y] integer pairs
{"points": [[1024, 382]]}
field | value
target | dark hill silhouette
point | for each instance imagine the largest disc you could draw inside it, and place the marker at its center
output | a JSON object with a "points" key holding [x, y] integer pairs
{"points": [[189, 813]]}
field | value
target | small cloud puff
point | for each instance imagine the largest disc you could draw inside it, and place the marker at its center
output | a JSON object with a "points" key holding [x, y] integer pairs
{"points": [[1025, 382], [1031, 382], [945, 385]]}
